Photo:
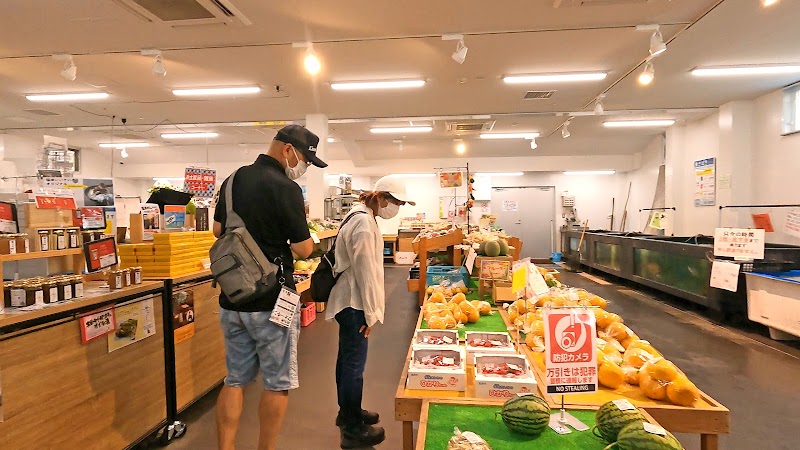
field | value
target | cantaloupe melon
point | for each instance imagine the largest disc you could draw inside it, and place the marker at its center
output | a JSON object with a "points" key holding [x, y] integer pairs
{"points": [[492, 249]]}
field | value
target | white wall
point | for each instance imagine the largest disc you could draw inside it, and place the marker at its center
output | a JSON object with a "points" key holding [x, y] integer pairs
{"points": [[642, 182], [776, 158]]}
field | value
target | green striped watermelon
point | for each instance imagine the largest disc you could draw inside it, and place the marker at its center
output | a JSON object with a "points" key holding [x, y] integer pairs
{"points": [[636, 437], [528, 414], [609, 420]]}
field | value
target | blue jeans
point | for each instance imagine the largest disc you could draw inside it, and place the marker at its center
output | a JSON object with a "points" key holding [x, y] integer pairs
{"points": [[350, 364]]}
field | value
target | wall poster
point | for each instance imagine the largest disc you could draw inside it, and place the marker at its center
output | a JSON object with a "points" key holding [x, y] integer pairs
{"points": [[183, 315], [134, 322], [705, 192]]}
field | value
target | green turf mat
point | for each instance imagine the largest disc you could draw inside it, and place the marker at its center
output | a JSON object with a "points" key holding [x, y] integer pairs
{"points": [[481, 420], [486, 323]]}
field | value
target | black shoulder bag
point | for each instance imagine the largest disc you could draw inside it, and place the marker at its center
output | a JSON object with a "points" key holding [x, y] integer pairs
{"points": [[324, 278]]}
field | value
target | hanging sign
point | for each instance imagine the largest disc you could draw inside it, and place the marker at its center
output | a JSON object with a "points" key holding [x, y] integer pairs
{"points": [[658, 221], [492, 269], [519, 278], [95, 325], [739, 243], [725, 275], [570, 351], [200, 182], [55, 200], [470, 262], [183, 315], [536, 281], [705, 193], [763, 221], [93, 218], [451, 179]]}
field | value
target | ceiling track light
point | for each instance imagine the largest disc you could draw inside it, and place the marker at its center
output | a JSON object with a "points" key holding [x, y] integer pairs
{"points": [[598, 105], [533, 144], [565, 130], [461, 148], [648, 74], [70, 70], [657, 45], [460, 55], [159, 68], [123, 153]]}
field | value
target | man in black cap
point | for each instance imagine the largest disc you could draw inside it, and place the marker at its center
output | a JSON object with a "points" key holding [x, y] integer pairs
{"points": [[271, 205]]}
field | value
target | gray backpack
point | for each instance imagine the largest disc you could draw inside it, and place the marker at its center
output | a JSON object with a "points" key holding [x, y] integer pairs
{"points": [[238, 265]]}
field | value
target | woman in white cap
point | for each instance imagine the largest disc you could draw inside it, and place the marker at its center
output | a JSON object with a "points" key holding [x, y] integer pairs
{"points": [[357, 302]]}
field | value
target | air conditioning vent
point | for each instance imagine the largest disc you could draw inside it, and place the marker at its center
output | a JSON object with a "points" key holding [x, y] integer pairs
{"points": [[470, 127], [568, 3], [538, 95], [41, 112], [185, 12]]}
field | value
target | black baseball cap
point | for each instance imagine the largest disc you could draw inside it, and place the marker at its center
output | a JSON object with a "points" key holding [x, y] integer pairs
{"points": [[303, 140]]}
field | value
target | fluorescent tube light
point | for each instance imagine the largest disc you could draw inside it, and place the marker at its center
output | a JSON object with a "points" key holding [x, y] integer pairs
{"points": [[499, 174], [590, 172], [529, 135], [388, 84], [638, 123], [202, 92], [745, 70], [388, 130], [67, 97], [413, 175], [189, 135], [554, 77], [123, 144]]}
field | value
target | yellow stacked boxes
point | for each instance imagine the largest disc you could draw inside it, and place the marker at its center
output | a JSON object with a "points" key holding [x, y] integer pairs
{"points": [[170, 255]]}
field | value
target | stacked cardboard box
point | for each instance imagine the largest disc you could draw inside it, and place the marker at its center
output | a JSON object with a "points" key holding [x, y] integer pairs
{"points": [[170, 254]]}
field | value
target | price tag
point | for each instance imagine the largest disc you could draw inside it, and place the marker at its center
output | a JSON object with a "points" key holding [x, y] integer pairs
{"points": [[654, 429], [624, 405], [447, 339], [471, 256], [497, 344], [448, 361], [97, 324], [285, 308], [314, 238]]}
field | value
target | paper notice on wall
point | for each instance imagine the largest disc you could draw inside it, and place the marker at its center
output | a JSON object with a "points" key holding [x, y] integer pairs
{"points": [[510, 206], [705, 193], [792, 225], [658, 221], [763, 221], [739, 243], [725, 275]]}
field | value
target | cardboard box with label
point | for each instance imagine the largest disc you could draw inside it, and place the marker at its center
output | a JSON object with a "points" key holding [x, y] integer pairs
{"points": [[502, 386], [476, 271], [448, 378], [436, 339], [500, 343], [502, 292]]}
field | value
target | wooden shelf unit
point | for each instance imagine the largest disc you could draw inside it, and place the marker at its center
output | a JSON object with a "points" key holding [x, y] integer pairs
{"points": [[426, 245], [75, 262]]}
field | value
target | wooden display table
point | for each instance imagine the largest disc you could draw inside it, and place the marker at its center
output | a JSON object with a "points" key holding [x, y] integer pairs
{"points": [[60, 393], [426, 245], [708, 418]]}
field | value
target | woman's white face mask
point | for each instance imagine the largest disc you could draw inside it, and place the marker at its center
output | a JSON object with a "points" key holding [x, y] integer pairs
{"points": [[388, 211], [298, 170]]}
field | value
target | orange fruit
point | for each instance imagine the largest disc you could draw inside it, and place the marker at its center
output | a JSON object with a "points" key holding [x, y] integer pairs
{"points": [[631, 375], [583, 295], [458, 298], [682, 392], [513, 314], [521, 306], [610, 375], [474, 316], [644, 345], [462, 317], [611, 353], [617, 331], [614, 318], [436, 322], [537, 328], [436, 297], [653, 389], [636, 357], [601, 317], [529, 341], [598, 301], [485, 308], [543, 299], [450, 322], [454, 308], [660, 369]]}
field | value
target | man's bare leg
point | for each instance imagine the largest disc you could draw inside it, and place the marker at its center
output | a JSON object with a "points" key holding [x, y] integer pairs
{"points": [[271, 411], [229, 410]]}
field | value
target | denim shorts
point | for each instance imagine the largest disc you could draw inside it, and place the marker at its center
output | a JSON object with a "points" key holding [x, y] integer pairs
{"points": [[252, 342]]}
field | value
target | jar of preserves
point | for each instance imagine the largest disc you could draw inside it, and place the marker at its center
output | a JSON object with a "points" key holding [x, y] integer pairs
{"points": [[115, 279], [17, 295], [23, 243], [74, 238], [34, 294], [8, 244], [127, 277], [64, 286], [60, 239], [44, 240], [77, 286], [50, 291], [137, 275]]}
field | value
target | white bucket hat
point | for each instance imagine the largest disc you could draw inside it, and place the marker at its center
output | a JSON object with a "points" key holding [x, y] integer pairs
{"points": [[395, 187]]}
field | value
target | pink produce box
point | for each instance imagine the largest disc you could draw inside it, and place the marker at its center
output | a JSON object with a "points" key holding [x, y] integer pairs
{"points": [[502, 338], [437, 378], [499, 386], [428, 338]]}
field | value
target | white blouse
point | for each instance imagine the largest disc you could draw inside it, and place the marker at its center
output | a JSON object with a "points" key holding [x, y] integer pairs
{"points": [[359, 258]]}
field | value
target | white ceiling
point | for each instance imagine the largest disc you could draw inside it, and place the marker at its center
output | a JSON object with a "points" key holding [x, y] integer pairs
{"points": [[364, 40]]}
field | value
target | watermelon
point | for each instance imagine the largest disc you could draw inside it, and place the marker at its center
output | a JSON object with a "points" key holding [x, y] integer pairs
{"points": [[482, 248], [503, 247], [636, 437], [609, 420], [492, 249], [528, 414]]}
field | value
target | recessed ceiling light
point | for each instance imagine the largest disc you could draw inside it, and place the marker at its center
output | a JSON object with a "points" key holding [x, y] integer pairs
{"points": [[311, 61], [461, 147], [216, 91], [554, 77], [590, 172], [387, 84], [388, 130], [123, 144], [528, 135], [189, 135], [745, 70], [638, 123], [331, 139], [499, 174], [67, 97]]}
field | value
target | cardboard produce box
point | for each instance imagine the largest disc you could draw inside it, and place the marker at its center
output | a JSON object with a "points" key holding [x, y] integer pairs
{"points": [[476, 270], [405, 245], [501, 292], [499, 386], [501, 344], [423, 339], [33, 217], [438, 379]]}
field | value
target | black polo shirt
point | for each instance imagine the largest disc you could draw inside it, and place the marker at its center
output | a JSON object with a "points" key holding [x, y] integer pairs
{"points": [[271, 206]]}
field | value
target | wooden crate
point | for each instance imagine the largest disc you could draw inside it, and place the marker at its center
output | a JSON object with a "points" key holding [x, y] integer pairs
{"points": [[33, 217]]}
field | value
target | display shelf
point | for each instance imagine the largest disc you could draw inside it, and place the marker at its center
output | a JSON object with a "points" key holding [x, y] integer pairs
{"points": [[425, 245], [325, 234], [41, 255], [413, 285], [708, 417]]}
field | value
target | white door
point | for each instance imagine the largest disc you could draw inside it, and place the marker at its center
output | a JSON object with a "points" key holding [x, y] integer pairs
{"points": [[529, 214]]}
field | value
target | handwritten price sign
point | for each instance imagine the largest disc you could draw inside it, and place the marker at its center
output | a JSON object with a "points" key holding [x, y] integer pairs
{"points": [[97, 324]]}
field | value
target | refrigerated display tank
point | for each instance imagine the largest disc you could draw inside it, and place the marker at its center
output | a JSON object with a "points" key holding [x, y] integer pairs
{"points": [[680, 266]]}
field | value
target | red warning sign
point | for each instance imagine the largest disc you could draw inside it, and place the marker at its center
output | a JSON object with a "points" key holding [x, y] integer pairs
{"points": [[570, 351]]}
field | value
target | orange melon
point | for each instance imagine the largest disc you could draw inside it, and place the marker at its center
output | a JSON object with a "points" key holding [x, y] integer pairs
{"points": [[610, 375]]}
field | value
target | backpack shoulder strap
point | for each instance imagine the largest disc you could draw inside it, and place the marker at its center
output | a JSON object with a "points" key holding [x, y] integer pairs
{"points": [[232, 220], [344, 222]]}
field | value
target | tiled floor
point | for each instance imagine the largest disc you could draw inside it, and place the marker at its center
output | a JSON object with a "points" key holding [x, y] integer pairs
{"points": [[753, 376]]}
